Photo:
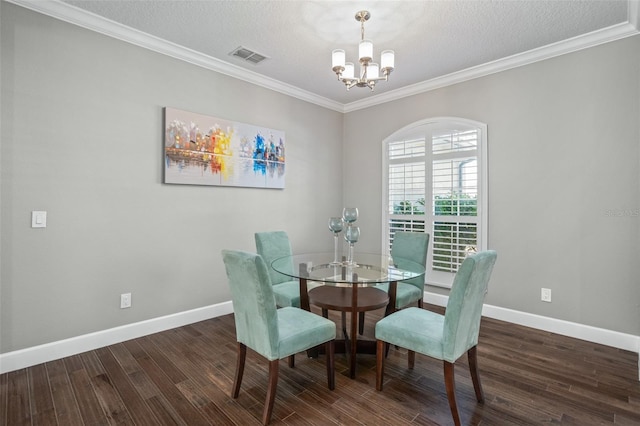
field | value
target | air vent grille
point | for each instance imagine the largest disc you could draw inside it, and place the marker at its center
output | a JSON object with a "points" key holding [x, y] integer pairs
{"points": [[248, 55]]}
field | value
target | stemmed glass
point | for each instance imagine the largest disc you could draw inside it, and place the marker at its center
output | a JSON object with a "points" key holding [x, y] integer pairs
{"points": [[352, 234], [335, 225], [350, 215]]}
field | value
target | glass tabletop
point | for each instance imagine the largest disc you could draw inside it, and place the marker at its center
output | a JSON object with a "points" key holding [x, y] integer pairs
{"points": [[369, 269]]}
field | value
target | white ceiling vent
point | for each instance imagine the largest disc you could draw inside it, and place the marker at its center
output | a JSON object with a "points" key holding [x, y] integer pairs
{"points": [[248, 55]]}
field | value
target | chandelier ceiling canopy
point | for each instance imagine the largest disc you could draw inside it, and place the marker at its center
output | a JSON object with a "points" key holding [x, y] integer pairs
{"points": [[369, 71]]}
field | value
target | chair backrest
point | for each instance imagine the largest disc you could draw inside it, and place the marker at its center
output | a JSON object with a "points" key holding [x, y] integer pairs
{"points": [[464, 309], [271, 246], [411, 246], [254, 306]]}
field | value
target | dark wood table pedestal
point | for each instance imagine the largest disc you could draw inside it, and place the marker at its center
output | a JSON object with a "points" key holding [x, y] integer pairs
{"points": [[353, 300]]}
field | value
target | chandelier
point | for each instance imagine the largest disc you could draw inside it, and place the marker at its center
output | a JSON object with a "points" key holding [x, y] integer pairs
{"points": [[369, 71]]}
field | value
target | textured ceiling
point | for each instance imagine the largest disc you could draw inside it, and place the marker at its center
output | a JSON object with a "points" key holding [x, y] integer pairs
{"points": [[431, 38]]}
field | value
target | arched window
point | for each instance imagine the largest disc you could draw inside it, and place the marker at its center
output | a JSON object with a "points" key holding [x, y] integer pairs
{"points": [[435, 177]]}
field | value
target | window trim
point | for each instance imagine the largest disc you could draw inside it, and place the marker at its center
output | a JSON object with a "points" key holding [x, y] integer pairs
{"points": [[425, 128]]}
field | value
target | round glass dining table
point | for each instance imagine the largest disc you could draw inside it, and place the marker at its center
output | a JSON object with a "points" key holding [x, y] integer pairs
{"points": [[353, 291]]}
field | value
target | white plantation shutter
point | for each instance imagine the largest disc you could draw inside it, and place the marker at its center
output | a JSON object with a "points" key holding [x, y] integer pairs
{"points": [[406, 186], [434, 184]]}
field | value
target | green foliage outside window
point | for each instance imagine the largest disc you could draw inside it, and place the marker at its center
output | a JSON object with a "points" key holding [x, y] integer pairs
{"points": [[455, 205], [409, 207]]}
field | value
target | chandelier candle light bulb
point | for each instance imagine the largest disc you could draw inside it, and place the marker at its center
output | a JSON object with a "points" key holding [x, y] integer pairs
{"points": [[337, 60], [369, 71], [365, 50], [387, 58], [373, 70], [349, 70]]}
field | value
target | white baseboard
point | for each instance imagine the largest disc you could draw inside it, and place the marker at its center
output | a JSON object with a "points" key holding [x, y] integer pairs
{"points": [[601, 336], [23, 358]]}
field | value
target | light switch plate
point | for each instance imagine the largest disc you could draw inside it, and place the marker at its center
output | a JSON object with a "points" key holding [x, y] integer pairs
{"points": [[545, 295], [38, 219], [125, 300]]}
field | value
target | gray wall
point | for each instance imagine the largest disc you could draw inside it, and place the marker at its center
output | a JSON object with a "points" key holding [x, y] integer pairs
{"points": [[564, 183], [82, 138], [81, 129]]}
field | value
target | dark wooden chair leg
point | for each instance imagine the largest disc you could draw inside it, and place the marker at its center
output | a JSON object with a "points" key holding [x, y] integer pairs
{"points": [[361, 323], [411, 359], [389, 310], [271, 391], [472, 355], [292, 361], [449, 381], [237, 381], [325, 313], [331, 375], [380, 355]]}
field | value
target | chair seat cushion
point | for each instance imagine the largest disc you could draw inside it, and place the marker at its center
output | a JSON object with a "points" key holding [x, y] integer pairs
{"points": [[415, 329], [300, 330], [405, 293], [288, 293]]}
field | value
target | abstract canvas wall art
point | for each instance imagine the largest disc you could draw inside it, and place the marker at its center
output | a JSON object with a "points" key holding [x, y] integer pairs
{"points": [[205, 150]]}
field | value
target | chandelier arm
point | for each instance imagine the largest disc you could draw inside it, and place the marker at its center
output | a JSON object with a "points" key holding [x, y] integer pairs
{"points": [[351, 84]]}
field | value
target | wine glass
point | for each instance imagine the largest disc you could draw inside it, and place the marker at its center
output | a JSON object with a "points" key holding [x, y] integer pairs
{"points": [[335, 225], [350, 214], [352, 234]]}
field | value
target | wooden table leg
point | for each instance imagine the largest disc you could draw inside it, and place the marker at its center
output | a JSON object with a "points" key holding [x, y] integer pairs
{"points": [[354, 326], [304, 295], [343, 315], [304, 304], [391, 307]]}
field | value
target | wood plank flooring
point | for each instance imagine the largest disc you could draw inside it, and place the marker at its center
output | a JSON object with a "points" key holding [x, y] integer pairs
{"points": [[184, 377]]}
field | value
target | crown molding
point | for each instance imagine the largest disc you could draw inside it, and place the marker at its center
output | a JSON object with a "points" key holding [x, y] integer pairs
{"points": [[82, 18], [93, 22], [574, 44]]}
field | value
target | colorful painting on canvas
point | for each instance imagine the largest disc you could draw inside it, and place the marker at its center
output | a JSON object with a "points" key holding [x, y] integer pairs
{"points": [[205, 150]]}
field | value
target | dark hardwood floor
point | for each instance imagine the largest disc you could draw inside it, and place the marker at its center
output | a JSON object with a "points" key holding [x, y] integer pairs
{"points": [[184, 376]]}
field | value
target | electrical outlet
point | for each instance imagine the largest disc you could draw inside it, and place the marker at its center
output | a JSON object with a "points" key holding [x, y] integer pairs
{"points": [[545, 295], [125, 300]]}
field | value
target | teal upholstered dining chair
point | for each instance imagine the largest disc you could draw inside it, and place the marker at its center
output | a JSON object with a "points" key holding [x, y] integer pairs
{"points": [[273, 245], [272, 333], [445, 337], [411, 246]]}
